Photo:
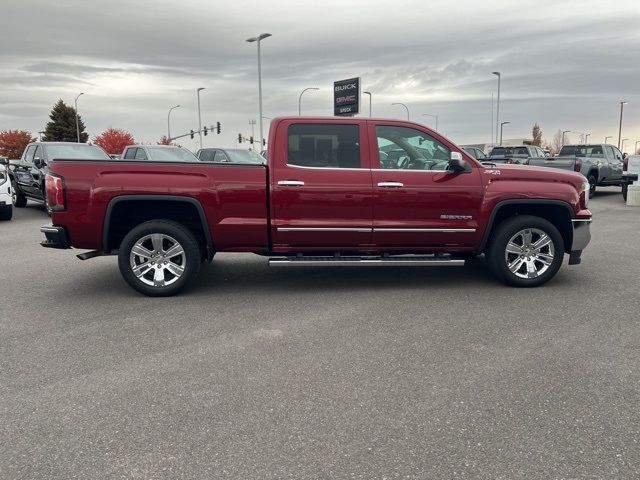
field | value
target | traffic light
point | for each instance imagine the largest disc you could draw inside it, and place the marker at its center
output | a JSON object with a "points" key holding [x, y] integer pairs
{"points": [[205, 131], [192, 133], [239, 138], [264, 142], [218, 128], [251, 140]]}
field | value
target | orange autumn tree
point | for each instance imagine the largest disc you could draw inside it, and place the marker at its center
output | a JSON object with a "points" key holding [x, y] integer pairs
{"points": [[13, 143], [114, 140]]}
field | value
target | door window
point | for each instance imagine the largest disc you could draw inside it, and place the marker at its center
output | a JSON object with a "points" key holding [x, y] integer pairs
{"points": [[617, 154], [324, 146], [141, 154], [38, 153], [402, 148], [30, 154], [130, 154], [207, 155]]}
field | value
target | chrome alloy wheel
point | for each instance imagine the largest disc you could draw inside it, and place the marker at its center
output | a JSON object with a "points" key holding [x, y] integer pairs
{"points": [[529, 253], [157, 260]]}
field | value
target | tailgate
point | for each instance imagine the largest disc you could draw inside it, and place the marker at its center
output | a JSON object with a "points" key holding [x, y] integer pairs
{"points": [[566, 163]]}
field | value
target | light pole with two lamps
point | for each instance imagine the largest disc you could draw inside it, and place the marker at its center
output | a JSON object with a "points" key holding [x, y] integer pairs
{"points": [[258, 39]]}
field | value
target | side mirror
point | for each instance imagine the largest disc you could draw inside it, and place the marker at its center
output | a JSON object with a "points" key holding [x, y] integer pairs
{"points": [[38, 162], [457, 163]]}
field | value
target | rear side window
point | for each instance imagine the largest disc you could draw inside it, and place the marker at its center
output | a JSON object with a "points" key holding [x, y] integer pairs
{"points": [[206, 155], [130, 154], [30, 151], [324, 146]]}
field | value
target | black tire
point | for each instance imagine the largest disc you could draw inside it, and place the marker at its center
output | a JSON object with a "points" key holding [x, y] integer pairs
{"points": [[497, 256], [17, 197], [170, 231], [6, 212], [625, 187], [592, 184]]}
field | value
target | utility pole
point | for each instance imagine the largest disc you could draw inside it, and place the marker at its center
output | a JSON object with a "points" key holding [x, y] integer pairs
{"points": [[75, 103], [258, 39], [502, 125]]}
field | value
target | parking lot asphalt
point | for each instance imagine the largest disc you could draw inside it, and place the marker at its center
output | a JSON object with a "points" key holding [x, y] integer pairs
{"points": [[321, 373]]}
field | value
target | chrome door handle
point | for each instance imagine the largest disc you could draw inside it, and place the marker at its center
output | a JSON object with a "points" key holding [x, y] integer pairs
{"points": [[291, 183], [390, 184]]}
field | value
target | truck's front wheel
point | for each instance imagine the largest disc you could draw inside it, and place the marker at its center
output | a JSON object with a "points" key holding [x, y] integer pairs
{"points": [[525, 251], [159, 258], [17, 197]]}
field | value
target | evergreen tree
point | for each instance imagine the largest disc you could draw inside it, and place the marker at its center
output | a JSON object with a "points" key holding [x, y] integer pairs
{"points": [[62, 127]]}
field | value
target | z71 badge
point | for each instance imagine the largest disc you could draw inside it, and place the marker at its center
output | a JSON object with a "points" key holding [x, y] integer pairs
{"points": [[492, 172]]}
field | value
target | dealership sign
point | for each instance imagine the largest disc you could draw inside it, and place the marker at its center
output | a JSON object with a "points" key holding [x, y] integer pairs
{"points": [[346, 97]]}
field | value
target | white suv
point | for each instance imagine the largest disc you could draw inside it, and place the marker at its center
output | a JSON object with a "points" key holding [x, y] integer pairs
{"points": [[6, 207]]}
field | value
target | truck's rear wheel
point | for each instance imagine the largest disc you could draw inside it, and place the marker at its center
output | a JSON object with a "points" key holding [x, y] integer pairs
{"points": [[159, 258], [17, 198], [525, 251]]}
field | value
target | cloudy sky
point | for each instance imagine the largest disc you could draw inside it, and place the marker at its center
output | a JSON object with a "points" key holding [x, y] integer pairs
{"points": [[566, 65]]}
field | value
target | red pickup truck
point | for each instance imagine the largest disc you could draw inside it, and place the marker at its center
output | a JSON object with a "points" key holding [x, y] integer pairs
{"points": [[335, 192]]}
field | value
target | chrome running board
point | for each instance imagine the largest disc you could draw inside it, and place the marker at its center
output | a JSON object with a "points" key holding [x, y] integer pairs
{"points": [[435, 260]]}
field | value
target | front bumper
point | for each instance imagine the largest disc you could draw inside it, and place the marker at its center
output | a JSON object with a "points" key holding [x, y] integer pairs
{"points": [[55, 237], [581, 238], [5, 199]]}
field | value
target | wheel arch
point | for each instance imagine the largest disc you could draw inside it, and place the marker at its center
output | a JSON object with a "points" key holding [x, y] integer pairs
{"points": [[140, 208], [559, 213]]}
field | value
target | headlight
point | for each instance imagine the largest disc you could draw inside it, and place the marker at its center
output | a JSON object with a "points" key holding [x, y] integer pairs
{"points": [[585, 194]]}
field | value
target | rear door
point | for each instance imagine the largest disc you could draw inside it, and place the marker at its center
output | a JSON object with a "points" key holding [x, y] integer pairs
{"points": [[418, 203], [321, 195]]}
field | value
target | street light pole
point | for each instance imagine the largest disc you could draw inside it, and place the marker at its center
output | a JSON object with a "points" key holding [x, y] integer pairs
{"points": [[431, 115], [199, 115], [169, 124], [564, 131], [406, 108], [75, 103], [257, 39], [502, 124], [608, 136], [586, 138], [622, 104], [369, 93], [635, 148], [300, 99], [497, 105]]}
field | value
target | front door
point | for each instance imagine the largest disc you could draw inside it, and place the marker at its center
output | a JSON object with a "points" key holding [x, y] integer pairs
{"points": [[418, 202], [321, 195]]}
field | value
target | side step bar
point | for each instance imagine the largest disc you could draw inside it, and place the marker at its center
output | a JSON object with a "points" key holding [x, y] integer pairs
{"points": [[368, 261]]}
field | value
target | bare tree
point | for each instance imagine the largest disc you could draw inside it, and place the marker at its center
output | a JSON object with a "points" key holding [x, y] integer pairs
{"points": [[537, 135], [556, 143]]}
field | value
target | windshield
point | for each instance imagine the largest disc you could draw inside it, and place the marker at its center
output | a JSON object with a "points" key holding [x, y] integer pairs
{"points": [[166, 154], [581, 151], [509, 152], [76, 152]]}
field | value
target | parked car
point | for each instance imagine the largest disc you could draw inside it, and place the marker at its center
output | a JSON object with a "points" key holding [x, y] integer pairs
{"points": [[229, 155], [601, 164], [27, 174], [475, 152], [520, 154], [6, 207], [630, 173], [329, 195], [158, 153]]}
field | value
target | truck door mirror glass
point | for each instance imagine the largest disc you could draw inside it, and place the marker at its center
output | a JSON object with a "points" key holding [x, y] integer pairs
{"points": [[4, 161], [457, 163], [38, 162]]}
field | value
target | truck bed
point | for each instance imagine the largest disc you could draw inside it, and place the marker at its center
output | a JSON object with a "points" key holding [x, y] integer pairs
{"points": [[233, 197], [563, 163]]}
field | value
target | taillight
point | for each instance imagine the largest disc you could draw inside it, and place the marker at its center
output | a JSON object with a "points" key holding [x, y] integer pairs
{"points": [[55, 192], [578, 166]]}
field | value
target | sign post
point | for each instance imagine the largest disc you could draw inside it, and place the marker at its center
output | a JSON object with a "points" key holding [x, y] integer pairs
{"points": [[346, 97]]}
